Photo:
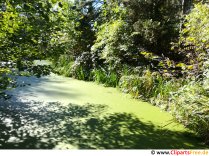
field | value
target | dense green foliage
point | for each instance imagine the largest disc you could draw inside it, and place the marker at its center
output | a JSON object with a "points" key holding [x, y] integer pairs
{"points": [[194, 39], [190, 106], [153, 49], [29, 31]]}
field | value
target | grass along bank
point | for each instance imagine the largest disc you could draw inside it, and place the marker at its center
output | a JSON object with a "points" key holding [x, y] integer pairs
{"points": [[185, 99], [162, 91]]}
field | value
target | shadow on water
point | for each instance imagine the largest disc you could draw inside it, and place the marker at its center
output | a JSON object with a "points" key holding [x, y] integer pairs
{"points": [[36, 125]]}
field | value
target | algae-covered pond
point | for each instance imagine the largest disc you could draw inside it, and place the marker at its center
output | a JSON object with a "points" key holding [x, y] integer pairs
{"points": [[63, 113]]}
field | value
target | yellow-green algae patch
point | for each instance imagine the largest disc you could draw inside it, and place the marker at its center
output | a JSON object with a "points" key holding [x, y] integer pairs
{"points": [[164, 131]]}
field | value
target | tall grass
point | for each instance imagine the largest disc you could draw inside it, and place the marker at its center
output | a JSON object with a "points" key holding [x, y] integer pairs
{"points": [[99, 75], [190, 106], [187, 100], [79, 73], [147, 85], [109, 79]]}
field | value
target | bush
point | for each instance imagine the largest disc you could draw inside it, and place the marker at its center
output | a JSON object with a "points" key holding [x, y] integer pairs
{"points": [[82, 67], [151, 86], [114, 44], [39, 70], [110, 79], [99, 75], [145, 86], [194, 39], [188, 102], [63, 65], [164, 91], [196, 30], [190, 106], [4, 82]]}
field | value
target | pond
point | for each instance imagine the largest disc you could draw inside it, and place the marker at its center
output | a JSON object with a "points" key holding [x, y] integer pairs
{"points": [[56, 112]]}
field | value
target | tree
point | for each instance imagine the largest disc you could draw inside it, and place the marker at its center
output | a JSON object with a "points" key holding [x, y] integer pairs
{"points": [[27, 30], [194, 38], [84, 15]]}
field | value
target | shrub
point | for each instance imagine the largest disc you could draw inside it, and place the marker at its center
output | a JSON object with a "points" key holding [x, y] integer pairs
{"points": [[145, 86], [4, 82], [188, 102], [40, 70], [110, 79], [196, 31], [194, 39], [63, 65], [190, 106], [82, 67], [99, 75], [151, 86], [114, 44]]}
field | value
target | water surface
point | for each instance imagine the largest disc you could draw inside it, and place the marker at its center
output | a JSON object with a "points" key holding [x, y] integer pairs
{"points": [[63, 113]]}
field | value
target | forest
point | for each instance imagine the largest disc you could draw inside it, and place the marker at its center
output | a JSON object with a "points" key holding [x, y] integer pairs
{"points": [[157, 51]]}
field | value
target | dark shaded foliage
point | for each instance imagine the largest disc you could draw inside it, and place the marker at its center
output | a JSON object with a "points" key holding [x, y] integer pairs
{"points": [[40, 70]]}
